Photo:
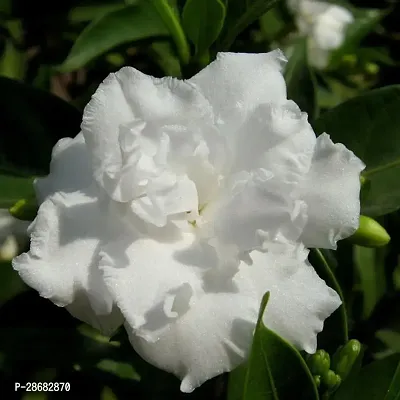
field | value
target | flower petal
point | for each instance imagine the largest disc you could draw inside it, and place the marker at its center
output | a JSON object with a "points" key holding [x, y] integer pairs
{"points": [[171, 321], [277, 137], [70, 170], [133, 100], [213, 337], [332, 193], [62, 262], [142, 272], [299, 300], [257, 205], [235, 84]]}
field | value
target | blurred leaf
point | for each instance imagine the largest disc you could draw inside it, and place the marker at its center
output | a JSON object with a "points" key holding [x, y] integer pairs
{"points": [[335, 331], [272, 23], [202, 21], [5, 6], [379, 380], [300, 80], [369, 126], [376, 54], [90, 13], [240, 14], [390, 338], [120, 369], [275, 370], [370, 266], [13, 189], [108, 394], [334, 93], [31, 122], [163, 55], [124, 25], [365, 20], [12, 62]]}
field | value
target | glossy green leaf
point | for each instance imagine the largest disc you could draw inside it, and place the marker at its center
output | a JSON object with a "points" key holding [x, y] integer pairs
{"points": [[369, 126], [300, 80], [379, 380], [240, 15], [365, 20], [370, 267], [124, 25], [31, 122], [275, 370], [168, 13], [335, 331], [202, 21]]}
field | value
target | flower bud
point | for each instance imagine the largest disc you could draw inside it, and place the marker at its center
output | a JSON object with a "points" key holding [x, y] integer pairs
{"points": [[319, 362], [371, 68], [317, 380], [345, 357], [24, 209], [331, 380], [370, 233]]}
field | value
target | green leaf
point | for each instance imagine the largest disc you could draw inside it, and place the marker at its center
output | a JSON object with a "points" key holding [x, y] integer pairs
{"points": [[300, 80], [131, 23], [240, 14], [12, 62], [275, 370], [365, 20], [203, 21], [272, 24], [370, 267], [390, 338], [14, 188], [89, 13], [335, 331], [379, 380], [369, 126], [31, 122], [168, 14]]}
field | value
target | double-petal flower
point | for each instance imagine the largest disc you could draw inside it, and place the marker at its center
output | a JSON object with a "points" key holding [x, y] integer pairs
{"points": [[181, 203]]}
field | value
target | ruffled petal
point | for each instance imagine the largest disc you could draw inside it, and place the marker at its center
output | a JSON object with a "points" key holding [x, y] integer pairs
{"points": [[299, 300], [332, 193], [235, 84], [122, 125], [258, 205], [213, 337], [70, 169], [277, 137], [172, 322], [146, 277], [62, 262]]}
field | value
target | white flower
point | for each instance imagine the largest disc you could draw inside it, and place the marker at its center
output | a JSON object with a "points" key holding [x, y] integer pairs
{"points": [[12, 235], [325, 25], [181, 203]]}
